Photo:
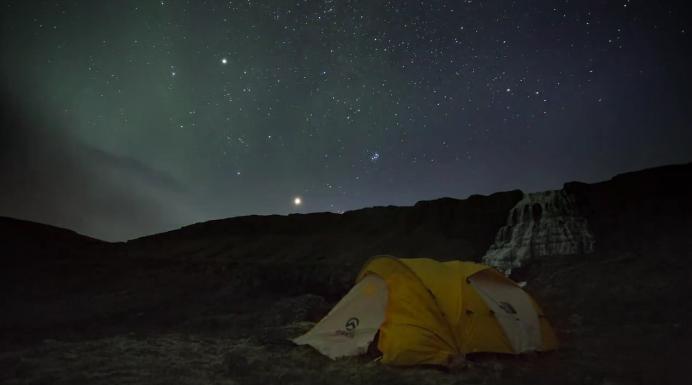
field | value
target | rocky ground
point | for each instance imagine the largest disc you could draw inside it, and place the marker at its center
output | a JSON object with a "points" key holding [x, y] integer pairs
{"points": [[217, 302]]}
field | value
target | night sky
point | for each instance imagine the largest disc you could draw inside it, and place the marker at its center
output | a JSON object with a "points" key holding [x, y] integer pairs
{"points": [[125, 118]]}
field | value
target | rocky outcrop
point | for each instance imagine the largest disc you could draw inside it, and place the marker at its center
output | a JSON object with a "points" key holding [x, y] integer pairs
{"points": [[540, 225]]}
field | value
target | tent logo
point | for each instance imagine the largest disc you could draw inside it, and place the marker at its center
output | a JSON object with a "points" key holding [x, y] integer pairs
{"points": [[350, 327], [351, 324]]}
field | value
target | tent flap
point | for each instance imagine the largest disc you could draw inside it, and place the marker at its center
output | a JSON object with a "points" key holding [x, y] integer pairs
{"points": [[351, 325], [513, 308]]}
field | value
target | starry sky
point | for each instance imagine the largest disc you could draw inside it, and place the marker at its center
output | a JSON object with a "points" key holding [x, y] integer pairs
{"points": [[127, 118]]}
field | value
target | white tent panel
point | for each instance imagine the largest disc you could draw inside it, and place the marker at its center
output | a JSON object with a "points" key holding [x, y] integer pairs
{"points": [[351, 325], [513, 309]]}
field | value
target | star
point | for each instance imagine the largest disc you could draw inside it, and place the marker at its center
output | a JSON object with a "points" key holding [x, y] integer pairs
{"points": [[224, 61], [297, 201]]}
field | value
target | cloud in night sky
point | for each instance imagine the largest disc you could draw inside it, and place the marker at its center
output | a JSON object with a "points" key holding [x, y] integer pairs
{"points": [[50, 178], [134, 117]]}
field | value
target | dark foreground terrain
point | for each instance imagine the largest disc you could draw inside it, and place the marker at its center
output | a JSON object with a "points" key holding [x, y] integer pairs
{"points": [[216, 302]]}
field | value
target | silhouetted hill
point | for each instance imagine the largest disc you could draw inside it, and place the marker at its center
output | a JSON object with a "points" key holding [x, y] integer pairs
{"points": [[639, 209]]}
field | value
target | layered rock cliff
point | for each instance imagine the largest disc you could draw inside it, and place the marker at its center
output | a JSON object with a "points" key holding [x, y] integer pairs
{"points": [[540, 225]]}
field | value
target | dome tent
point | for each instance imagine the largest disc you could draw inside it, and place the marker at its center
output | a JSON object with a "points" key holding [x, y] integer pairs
{"points": [[430, 312]]}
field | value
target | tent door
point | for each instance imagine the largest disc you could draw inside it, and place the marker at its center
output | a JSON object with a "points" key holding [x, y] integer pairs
{"points": [[351, 325], [513, 309]]}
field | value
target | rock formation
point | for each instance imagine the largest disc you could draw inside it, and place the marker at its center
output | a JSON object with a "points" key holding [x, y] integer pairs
{"points": [[540, 225]]}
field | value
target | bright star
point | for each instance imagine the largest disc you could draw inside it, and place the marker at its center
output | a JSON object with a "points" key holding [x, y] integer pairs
{"points": [[224, 61], [297, 201]]}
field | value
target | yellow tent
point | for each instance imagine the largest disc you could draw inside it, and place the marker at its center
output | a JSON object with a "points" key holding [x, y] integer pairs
{"points": [[430, 312]]}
